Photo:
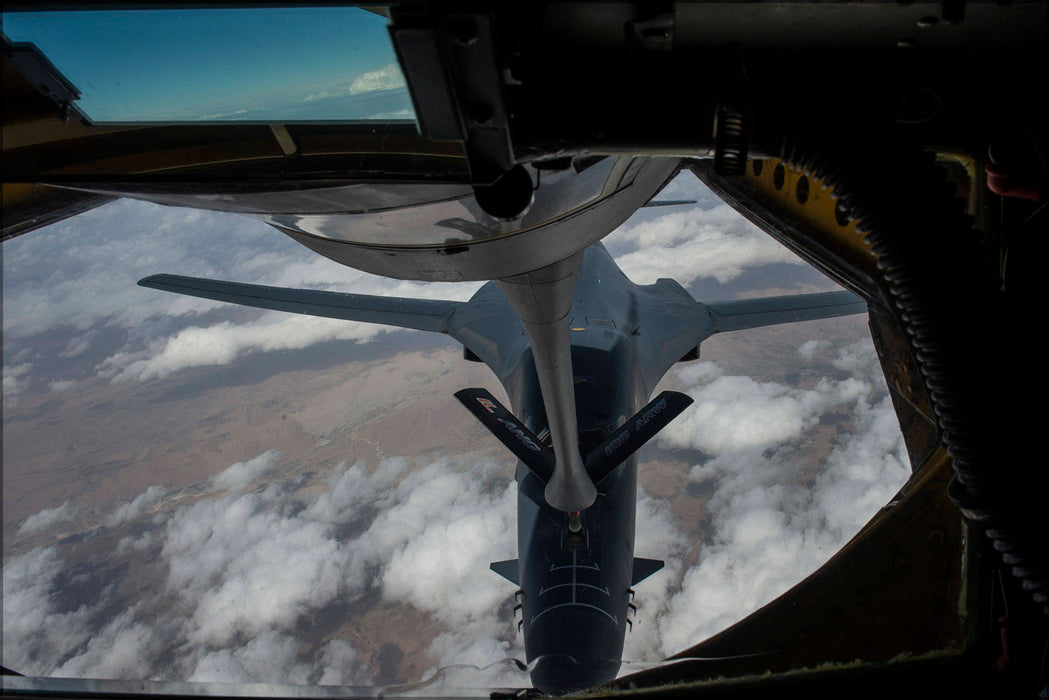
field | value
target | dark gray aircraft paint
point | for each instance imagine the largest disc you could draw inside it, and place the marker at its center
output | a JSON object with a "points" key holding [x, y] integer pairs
{"points": [[575, 572]]}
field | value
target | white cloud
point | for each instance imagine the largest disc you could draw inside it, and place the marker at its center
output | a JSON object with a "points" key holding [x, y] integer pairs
{"points": [[47, 634], [770, 530], [657, 537], [322, 95], [43, 635], [124, 648], [444, 530], [352, 490], [860, 359], [695, 373], [240, 475], [270, 657], [16, 380], [134, 508], [692, 243], [432, 540], [247, 568], [809, 349], [48, 518], [34, 631], [433, 532], [78, 346], [221, 344], [340, 665], [863, 472], [391, 116], [385, 78], [243, 565], [81, 274], [733, 413], [147, 540], [62, 385]]}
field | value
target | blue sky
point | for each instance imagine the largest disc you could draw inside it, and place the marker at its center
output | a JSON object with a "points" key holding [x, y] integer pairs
{"points": [[190, 63]]}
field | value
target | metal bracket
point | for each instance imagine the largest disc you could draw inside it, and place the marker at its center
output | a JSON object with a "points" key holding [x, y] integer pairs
{"points": [[453, 75]]}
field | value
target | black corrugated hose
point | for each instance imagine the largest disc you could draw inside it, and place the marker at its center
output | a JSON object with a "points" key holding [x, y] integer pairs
{"points": [[976, 339]]}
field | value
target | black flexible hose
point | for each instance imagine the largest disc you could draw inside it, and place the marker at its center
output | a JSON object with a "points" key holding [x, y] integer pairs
{"points": [[962, 329]]}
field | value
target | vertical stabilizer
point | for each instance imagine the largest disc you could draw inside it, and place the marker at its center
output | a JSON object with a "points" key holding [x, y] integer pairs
{"points": [[643, 568], [509, 569]]}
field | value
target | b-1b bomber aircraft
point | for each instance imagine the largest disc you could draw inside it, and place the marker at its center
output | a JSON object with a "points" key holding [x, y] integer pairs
{"points": [[575, 569]]}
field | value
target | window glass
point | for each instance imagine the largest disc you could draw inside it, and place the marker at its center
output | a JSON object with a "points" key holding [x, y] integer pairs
{"points": [[197, 491], [258, 64]]}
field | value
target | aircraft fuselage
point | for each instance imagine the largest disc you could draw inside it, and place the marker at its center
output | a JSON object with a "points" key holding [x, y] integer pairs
{"points": [[576, 586]]}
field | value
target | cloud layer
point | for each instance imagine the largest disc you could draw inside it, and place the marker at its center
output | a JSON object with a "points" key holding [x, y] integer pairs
{"points": [[248, 562], [709, 240], [257, 555], [735, 413], [388, 77], [80, 276], [769, 527], [241, 571], [48, 519]]}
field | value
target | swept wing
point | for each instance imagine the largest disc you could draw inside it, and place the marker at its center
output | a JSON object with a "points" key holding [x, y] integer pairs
{"points": [[767, 311], [419, 314]]}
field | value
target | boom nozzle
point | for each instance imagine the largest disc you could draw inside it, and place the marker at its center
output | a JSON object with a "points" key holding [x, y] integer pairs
{"points": [[570, 489]]}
